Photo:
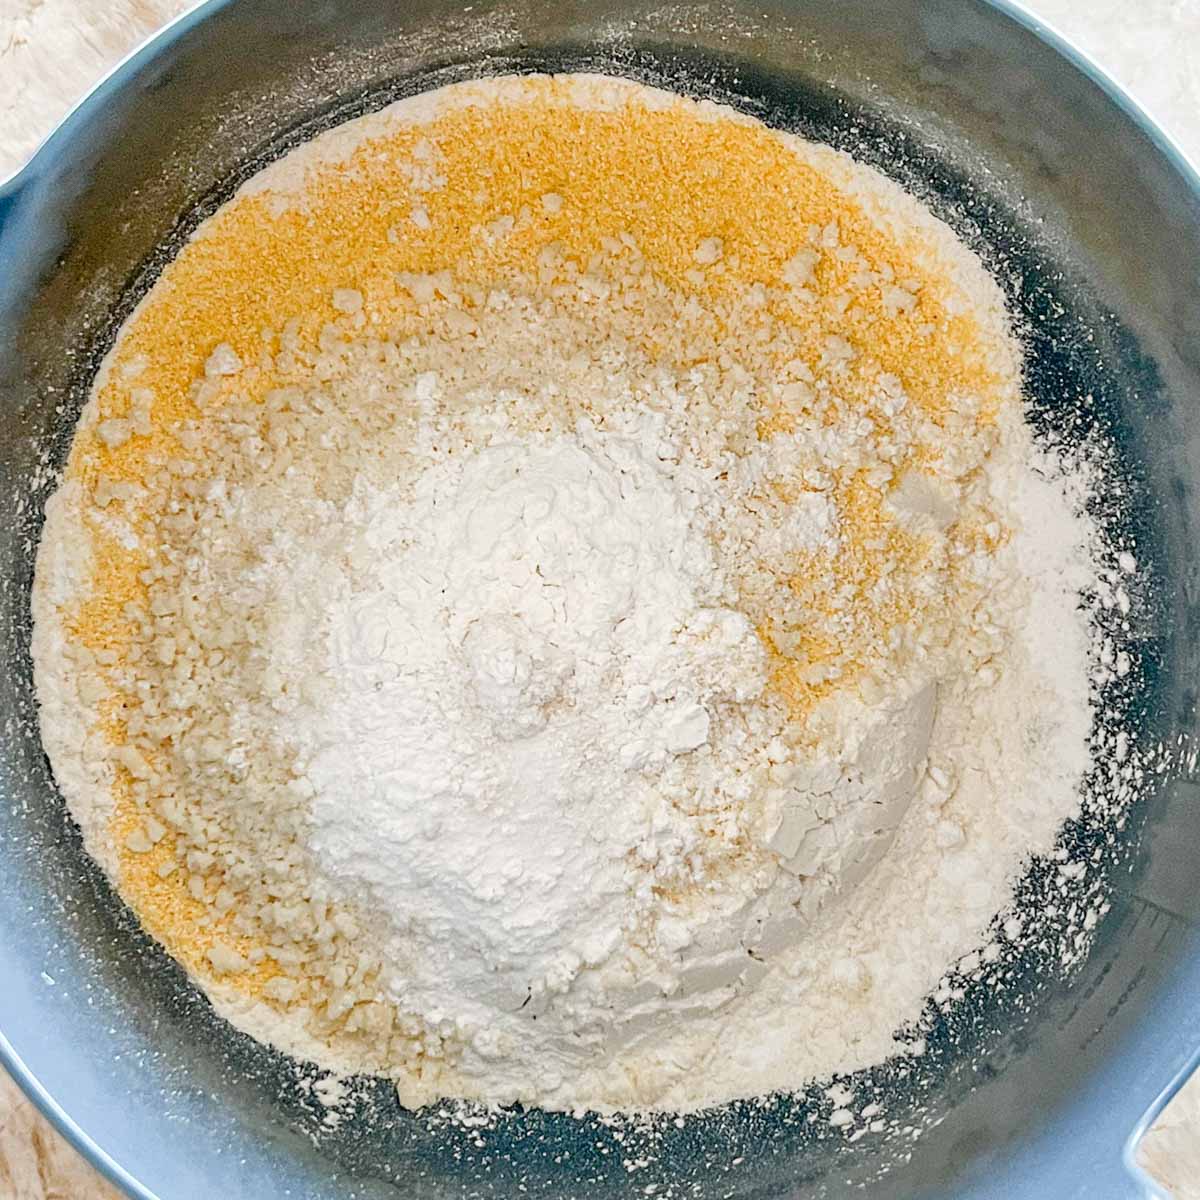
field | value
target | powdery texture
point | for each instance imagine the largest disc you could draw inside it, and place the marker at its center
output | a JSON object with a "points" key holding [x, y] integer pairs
{"points": [[639, 731]]}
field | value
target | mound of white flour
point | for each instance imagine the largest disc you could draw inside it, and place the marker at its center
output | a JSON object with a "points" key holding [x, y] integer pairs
{"points": [[527, 712], [534, 716]]}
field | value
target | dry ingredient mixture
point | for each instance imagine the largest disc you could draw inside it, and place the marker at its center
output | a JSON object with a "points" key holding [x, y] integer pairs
{"points": [[553, 598]]}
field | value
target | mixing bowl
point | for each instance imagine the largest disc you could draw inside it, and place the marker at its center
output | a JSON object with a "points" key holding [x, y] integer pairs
{"points": [[1039, 1080]]}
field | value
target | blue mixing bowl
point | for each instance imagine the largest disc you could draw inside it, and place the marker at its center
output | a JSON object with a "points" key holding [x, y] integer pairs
{"points": [[1091, 220]]}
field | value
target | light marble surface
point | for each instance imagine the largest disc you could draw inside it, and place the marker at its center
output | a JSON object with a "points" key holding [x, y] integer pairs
{"points": [[51, 51]]}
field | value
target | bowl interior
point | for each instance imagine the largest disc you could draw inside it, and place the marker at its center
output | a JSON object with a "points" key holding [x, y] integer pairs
{"points": [[1093, 232]]}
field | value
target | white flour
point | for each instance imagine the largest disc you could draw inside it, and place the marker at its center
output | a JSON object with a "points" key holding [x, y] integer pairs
{"points": [[471, 655], [542, 628], [534, 634]]}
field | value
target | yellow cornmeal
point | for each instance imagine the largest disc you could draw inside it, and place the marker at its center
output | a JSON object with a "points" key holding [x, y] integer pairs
{"points": [[671, 177]]}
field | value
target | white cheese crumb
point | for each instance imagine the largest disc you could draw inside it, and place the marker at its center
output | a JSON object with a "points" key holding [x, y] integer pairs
{"points": [[114, 432], [223, 360], [226, 960], [347, 300]]}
